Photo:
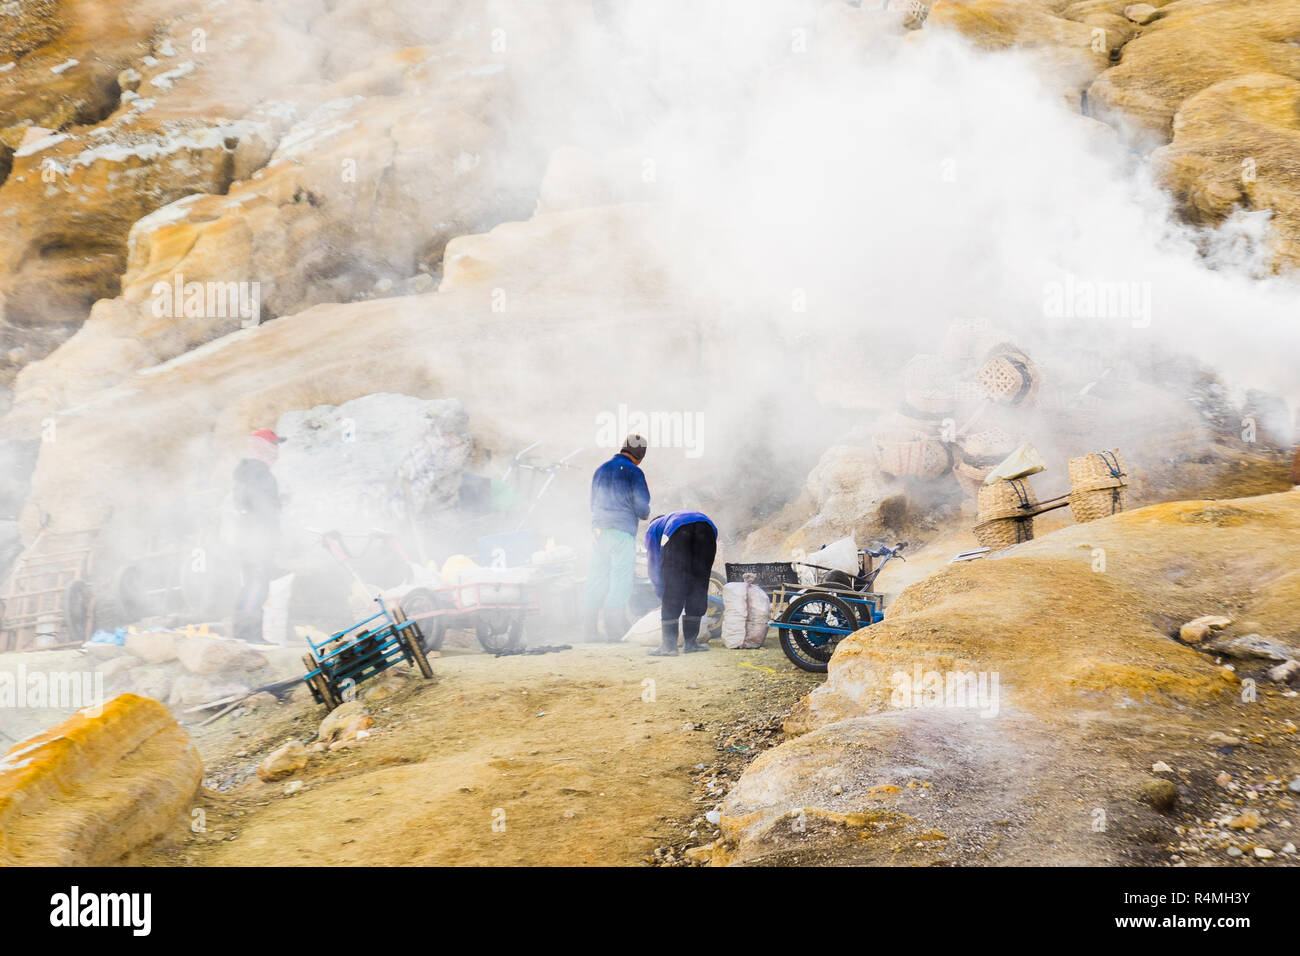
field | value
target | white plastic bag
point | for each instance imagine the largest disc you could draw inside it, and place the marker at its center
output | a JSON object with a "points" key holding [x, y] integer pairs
{"points": [[735, 614], [646, 631], [759, 606], [1021, 463], [841, 555]]}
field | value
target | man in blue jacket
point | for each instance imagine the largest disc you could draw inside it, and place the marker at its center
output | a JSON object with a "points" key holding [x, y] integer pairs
{"points": [[620, 500], [681, 547]]}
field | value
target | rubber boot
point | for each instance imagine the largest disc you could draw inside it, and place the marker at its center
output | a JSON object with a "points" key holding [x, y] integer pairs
{"points": [[591, 624], [690, 636], [615, 624], [667, 642]]}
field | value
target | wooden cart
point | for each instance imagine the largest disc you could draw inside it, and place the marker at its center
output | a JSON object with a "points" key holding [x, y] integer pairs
{"points": [[47, 599]]}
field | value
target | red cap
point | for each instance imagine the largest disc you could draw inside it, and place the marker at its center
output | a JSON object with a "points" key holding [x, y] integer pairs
{"points": [[267, 435]]}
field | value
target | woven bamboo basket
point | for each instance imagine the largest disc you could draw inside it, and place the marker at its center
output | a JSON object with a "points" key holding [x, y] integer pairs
{"points": [[1007, 376], [917, 13], [927, 386], [1004, 532], [1006, 499], [905, 454], [1103, 469], [989, 444], [1099, 503], [909, 453], [970, 477]]}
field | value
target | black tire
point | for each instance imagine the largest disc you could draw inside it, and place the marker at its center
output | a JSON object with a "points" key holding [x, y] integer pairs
{"points": [[421, 601], [838, 579], [319, 686], [812, 650], [413, 641], [499, 631], [713, 617]]}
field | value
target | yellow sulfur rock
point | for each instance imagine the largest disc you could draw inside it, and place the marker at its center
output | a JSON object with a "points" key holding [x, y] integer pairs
{"points": [[97, 786]]}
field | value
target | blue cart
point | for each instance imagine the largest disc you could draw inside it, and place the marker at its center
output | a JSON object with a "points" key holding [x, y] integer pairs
{"points": [[813, 619], [338, 664]]}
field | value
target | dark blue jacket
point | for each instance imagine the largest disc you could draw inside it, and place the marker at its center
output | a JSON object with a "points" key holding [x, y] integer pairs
{"points": [[657, 535], [619, 496]]}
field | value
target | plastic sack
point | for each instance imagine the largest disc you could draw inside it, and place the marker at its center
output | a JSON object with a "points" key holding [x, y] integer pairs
{"points": [[745, 610], [735, 614], [647, 631], [1021, 463], [760, 609], [841, 555]]}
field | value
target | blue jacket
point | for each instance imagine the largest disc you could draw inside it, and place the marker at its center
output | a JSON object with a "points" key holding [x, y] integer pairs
{"points": [[619, 495], [657, 535]]}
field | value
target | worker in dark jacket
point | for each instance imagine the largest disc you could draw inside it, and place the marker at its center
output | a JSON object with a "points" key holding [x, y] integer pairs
{"points": [[681, 547], [256, 497], [620, 500]]}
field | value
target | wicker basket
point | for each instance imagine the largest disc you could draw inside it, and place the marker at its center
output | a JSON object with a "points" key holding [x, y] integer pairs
{"points": [[1103, 469], [1004, 532], [1007, 376], [989, 444], [970, 477], [927, 386], [909, 454], [1098, 503], [1006, 499], [917, 13]]}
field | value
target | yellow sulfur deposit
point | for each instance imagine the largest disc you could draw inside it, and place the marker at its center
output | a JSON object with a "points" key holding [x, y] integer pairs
{"points": [[92, 789]]}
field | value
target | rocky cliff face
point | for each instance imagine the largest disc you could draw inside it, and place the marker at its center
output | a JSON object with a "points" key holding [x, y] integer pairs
{"points": [[323, 153]]}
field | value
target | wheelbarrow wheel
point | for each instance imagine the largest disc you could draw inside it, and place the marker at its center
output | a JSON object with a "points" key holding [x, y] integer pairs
{"points": [[413, 641], [420, 604], [807, 648], [320, 687], [713, 616], [499, 631]]}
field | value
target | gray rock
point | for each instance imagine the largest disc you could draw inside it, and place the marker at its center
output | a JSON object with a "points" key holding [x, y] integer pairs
{"points": [[190, 690], [366, 462], [1284, 673], [155, 682], [1251, 646]]}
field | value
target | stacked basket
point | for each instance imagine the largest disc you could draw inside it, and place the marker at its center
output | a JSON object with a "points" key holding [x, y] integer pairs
{"points": [[1006, 513], [1007, 376], [1098, 485]]}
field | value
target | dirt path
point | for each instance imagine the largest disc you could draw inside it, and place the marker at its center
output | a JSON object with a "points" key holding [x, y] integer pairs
{"points": [[595, 755]]}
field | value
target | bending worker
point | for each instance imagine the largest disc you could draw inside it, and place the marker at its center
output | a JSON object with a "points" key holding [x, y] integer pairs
{"points": [[620, 500], [681, 547]]}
